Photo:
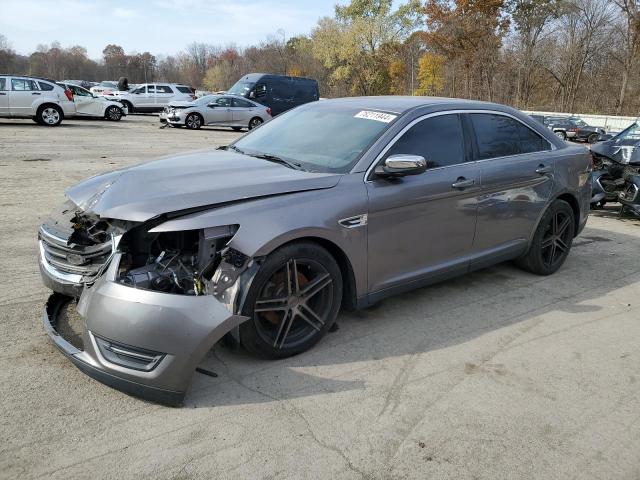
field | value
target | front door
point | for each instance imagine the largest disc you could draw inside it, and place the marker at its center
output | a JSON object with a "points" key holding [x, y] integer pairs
{"points": [[219, 112], [422, 226], [517, 168], [85, 103], [4, 97]]}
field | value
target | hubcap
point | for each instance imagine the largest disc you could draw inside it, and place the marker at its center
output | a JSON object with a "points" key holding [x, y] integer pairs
{"points": [[193, 121], [50, 116], [556, 241], [255, 122], [114, 113], [294, 304]]}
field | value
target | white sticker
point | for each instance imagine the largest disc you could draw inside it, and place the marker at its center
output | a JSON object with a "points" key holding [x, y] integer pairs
{"points": [[377, 116]]}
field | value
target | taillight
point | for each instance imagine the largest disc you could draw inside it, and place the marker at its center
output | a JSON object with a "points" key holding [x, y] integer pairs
{"points": [[269, 111], [69, 94], [193, 97]]}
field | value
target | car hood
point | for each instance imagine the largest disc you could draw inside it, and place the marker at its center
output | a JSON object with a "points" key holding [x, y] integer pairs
{"points": [[198, 179]]}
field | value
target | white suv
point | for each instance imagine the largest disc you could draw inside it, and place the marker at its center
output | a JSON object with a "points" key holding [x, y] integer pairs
{"points": [[153, 97], [37, 98]]}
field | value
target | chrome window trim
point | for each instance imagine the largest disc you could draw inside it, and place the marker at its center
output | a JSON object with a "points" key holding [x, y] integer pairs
{"points": [[452, 112]]}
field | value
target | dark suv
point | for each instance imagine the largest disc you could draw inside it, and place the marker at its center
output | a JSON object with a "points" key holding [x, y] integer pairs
{"points": [[574, 128]]}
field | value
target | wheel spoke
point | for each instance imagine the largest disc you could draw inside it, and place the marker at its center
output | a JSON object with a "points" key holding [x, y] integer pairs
{"points": [[554, 226], [560, 245], [292, 277], [271, 304], [546, 243], [309, 316], [552, 253], [563, 226], [315, 286], [283, 331]]}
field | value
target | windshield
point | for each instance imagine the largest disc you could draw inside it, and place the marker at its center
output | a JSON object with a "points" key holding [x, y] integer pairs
{"points": [[320, 136], [579, 122], [242, 88]]}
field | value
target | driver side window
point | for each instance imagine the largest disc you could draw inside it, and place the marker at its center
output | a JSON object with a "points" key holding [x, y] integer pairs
{"points": [[438, 139]]}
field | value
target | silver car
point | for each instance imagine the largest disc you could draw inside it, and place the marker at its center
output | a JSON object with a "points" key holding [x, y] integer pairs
{"points": [[218, 110], [334, 204]]}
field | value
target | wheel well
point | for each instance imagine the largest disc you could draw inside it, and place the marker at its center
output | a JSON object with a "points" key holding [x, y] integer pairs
{"points": [[253, 118], [349, 296], [49, 104], [575, 206]]}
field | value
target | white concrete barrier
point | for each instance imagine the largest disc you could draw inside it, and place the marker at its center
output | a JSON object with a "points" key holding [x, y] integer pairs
{"points": [[610, 123]]}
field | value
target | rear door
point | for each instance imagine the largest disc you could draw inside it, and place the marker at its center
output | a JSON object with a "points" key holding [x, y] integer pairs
{"points": [[4, 96], [164, 94], [422, 226], [242, 111], [24, 93], [517, 169]]}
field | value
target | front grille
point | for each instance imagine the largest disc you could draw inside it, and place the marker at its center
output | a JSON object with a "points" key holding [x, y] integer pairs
{"points": [[74, 259]]}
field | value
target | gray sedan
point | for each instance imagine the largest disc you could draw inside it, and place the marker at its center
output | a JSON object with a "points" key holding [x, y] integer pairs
{"points": [[216, 110], [334, 204]]}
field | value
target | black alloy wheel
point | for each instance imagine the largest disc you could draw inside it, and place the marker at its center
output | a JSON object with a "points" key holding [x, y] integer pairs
{"points": [[293, 301], [113, 113], [193, 121], [255, 122]]}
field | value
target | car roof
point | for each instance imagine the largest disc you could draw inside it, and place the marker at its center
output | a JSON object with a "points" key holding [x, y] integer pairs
{"points": [[401, 104], [252, 77], [27, 76]]}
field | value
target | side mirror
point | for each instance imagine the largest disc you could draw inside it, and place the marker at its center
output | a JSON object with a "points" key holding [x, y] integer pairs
{"points": [[252, 94], [401, 165]]}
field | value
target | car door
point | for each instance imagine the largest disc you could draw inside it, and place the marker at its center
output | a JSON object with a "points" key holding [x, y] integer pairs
{"points": [[4, 96], [23, 94], [241, 111], [421, 227], [517, 168], [142, 97], [218, 111], [164, 94], [85, 103]]}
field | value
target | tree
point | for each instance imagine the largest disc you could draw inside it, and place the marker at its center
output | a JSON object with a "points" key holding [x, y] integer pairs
{"points": [[430, 74], [7, 55], [628, 29]]}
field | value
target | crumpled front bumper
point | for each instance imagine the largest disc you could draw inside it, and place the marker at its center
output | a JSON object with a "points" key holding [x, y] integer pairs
{"points": [[123, 327]]}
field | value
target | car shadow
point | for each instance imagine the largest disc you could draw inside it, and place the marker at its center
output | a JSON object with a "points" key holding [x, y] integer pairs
{"points": [[423, 321]]}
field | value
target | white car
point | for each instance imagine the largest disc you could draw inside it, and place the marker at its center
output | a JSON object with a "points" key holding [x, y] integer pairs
{"points": [[219, 110], [33, 97], [90, 105], [153, 97]]}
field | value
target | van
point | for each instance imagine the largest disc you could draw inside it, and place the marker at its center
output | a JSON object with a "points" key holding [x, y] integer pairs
{"points": [[279, 92]]}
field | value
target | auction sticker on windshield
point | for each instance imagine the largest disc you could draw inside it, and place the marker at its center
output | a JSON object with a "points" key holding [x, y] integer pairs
{"points": [[378, 116]]}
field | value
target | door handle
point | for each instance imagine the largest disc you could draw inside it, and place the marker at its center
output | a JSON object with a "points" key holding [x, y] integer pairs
{"points": [[2, 93], [35, 93], [541, 170], [461, 183]]}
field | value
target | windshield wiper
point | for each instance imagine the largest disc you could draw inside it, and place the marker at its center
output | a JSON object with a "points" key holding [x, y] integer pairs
{"points": [[230, 147], [276, 159]]}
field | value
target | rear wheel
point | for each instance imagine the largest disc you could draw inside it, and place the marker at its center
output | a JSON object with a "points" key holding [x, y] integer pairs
{"points": [[113, 113], [561, 135], [552, 240], [193, 121], [293, 301], [593, 138], [255, 122], [49, 115]]}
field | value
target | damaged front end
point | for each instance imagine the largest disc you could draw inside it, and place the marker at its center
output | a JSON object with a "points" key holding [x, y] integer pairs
{"points": [[152, 303]]}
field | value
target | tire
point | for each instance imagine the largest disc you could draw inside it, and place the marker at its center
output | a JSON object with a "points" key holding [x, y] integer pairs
{"points": [[293, 301], [552, 240], [592, 138], [49, 115], [193, 121], [561, 135], [113, 113], [255, 122], [237, 129], [129, 106]]}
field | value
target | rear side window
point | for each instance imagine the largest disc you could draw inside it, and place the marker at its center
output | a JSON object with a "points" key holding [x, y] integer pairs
{"points": [[185, 89], [501, 136], [163, 89], [47, 87], [3, 83], [23, 84], [438, 139]]}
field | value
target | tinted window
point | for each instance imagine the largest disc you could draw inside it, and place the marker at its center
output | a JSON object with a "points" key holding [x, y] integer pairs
{"points": [[282, 90], [3, 83], [304, 92], [184, 89], [438, 139], [45, 86], [500, 136], [241, 103], [151, 89], [261, 90], [22, 84], [163, 89], [140, 90], [223, 102]]}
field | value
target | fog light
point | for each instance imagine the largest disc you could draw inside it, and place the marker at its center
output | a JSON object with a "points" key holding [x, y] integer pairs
{"points": [[128, 356]]}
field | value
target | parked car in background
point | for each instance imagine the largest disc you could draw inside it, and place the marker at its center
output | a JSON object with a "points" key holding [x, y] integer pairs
{"points": [[219, 110], [278, 92], [81, 83], [105, 86], [153, 97], [574, 128], [333, 204], [41, 99], [90, 105]]}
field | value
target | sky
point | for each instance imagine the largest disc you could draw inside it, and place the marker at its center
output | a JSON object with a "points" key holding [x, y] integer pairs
{"points": [[157, 26]]}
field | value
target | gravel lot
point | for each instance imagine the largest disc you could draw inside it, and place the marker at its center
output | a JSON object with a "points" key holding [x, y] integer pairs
{"points": [[499, 374]]}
